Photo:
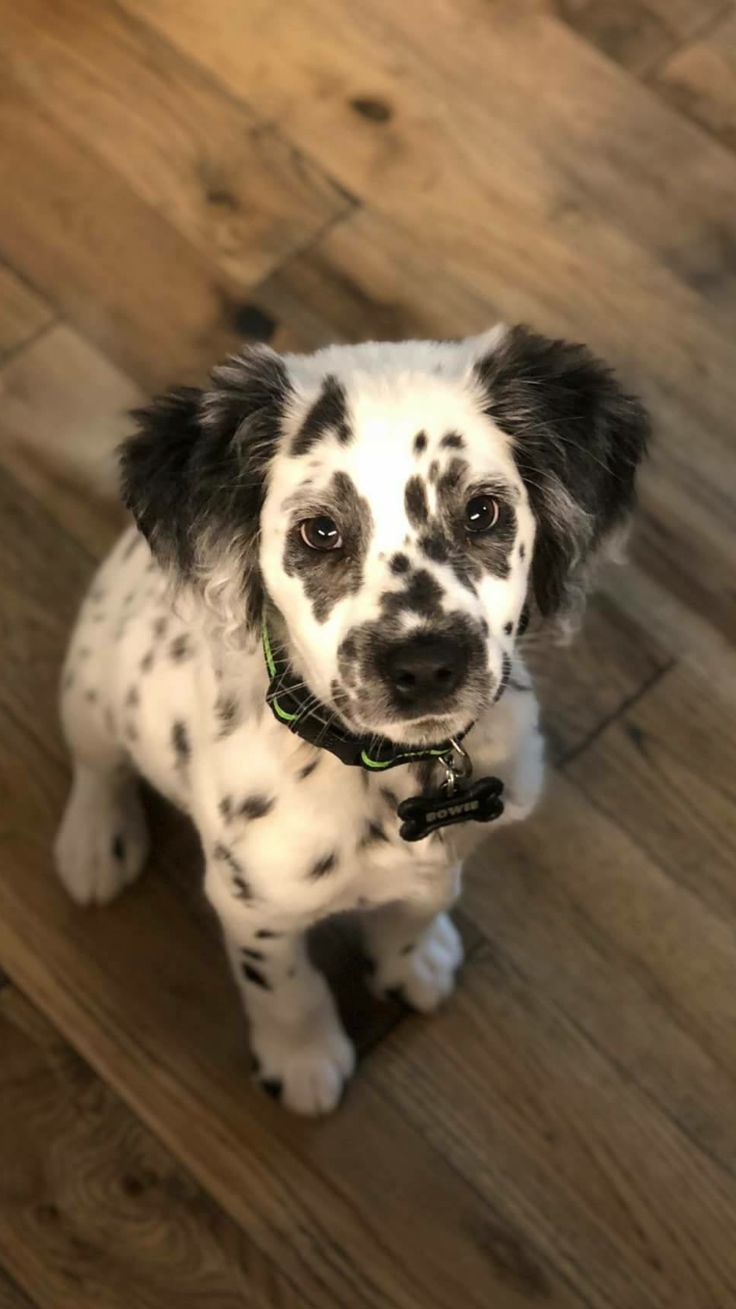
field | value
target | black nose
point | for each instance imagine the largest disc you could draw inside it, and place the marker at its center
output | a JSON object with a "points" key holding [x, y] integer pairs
{"points": [[426, 670]]}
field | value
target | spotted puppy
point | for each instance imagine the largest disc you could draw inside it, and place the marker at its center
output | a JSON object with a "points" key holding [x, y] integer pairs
{"points": [[382, 515]]}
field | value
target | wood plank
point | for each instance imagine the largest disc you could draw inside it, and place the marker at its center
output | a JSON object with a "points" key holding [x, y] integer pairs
{"points": [[636, 962], [638, 33], [544, 132], [229, 183], [64, 410], [514, 1096], [23, 314], [94, 1212], [665, 773], [700, 79], [107, 261]]}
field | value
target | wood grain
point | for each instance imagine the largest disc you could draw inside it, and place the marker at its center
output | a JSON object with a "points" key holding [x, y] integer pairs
{"points": [[700, 79], [94, 1212], [23, 314], [229, 183], [63, 411], [638, 33]]}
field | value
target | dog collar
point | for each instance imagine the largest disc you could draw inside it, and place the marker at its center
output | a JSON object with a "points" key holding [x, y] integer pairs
{"points": [[315, 723]]}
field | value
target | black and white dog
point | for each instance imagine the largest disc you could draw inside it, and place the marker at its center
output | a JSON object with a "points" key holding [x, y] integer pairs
{"points": [[315, 623]]}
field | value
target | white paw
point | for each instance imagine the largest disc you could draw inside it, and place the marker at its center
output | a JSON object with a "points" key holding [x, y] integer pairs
{"points": [[424, 975], [305, 1076], [102, 843]]}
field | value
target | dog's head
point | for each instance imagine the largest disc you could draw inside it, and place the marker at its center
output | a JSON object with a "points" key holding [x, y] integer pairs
{"points": [[397, 504]]}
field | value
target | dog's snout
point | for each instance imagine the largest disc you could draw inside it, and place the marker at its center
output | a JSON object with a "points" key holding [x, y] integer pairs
{"points": [[426, 670]]}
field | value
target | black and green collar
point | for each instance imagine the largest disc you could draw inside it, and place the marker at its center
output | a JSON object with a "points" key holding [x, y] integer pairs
{"points": [[316, 724]]}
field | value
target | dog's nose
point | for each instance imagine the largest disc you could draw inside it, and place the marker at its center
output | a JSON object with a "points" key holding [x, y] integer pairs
{"points": [[426, 670]]}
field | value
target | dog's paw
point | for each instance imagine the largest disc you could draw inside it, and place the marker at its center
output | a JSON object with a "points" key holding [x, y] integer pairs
{"points": [[102, 843], [423, 974], [307, 1077]]}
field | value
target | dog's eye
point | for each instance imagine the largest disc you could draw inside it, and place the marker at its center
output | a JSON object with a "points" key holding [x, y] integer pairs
{"points": [[321, 533], [481, 513]]}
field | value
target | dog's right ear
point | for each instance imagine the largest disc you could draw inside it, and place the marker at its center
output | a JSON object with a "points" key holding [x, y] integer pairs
{"points": [[194, 477]]}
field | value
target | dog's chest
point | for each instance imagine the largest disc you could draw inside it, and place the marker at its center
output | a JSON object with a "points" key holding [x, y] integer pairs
{"points": [[297, 826]]}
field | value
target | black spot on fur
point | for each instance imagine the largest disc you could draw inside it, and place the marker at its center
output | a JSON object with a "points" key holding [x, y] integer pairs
{"points": [[420, 443], [329, 576], [452, 441], [323, 866], [522, 550], [256, 955], [159, 626], [255, 976], [328, 413], [194, 476], [227, 713], [577, 440], [415, 502], [252, 322], [255, 806], [273, 1086], [181, 743], [423, 595], [241, 889], [505, 674], [407, 949], [118, 848], [180, 648], [434, 547], [376, 111], [226, 807], [508, 628], [400, 564], [147, 661], [373, 835], [265, 934], [307, 769]]}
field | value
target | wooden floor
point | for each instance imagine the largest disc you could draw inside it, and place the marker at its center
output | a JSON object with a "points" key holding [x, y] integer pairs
{"points": [[175, 176]]}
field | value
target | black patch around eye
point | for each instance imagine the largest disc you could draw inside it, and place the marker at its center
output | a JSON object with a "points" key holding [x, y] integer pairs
{"points": [[433, 545], [329, 411], [452, 441], [415, 501], [322, 867], [180, 741], [400, 563], [255, 806], [330, 575], [420, 442]]}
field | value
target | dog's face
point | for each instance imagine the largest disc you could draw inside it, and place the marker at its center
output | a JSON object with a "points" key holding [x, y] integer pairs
{"points": [[395, 505], [395, 540]]}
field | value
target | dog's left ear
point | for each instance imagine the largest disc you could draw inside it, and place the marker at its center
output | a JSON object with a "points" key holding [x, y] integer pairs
{"points": [[194, 476], [577, 440]]}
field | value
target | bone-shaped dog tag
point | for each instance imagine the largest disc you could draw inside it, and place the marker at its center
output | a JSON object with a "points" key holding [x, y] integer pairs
{"points": [[479, 803]]}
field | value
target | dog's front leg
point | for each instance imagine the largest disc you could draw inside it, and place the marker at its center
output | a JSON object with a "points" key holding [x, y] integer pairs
{"points": [[415, 951], [301, 1053]]}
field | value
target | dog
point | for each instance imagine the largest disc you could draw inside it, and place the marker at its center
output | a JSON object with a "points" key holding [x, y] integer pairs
{"points": [[311, 634]]}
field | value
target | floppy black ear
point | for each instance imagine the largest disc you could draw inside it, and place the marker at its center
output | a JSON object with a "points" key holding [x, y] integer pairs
{"points": [[577, 441], [194, 476]]}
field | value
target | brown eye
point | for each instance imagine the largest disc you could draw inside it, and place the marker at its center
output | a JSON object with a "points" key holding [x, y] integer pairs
{"points": [[481, 513], [320, 533]]}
